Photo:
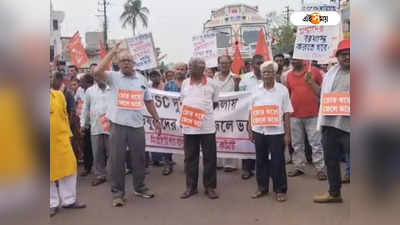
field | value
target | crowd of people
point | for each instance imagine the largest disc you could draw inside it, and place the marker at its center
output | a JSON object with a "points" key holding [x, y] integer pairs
{"points": [[96, 120]]}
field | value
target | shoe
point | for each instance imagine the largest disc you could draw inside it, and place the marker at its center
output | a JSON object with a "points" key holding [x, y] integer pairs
{"points": [[98, 181], [229, 169], [295, 173], [118, 202], [53, 211], [75, 205], [188, 193], [210, 192], [321, 175], [84, 173], [327, 198], [247, 175], [259, 194], [144, 194], [346, 180]]}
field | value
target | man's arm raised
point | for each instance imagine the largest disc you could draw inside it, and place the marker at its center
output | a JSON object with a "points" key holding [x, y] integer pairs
{"points": [[101, 68]]}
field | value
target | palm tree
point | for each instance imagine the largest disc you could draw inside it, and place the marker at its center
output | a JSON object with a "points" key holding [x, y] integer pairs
{"points": [[133, 13]]}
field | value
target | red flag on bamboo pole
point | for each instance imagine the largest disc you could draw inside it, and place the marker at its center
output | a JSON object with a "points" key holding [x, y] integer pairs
{"points": [[262, 47], [76, 51], [237, 63]]}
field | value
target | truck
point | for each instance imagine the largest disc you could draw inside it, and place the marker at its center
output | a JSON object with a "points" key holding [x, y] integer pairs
{"points": [[236, 24]]}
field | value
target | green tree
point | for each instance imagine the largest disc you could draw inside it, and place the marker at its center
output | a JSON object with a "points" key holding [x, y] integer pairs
{"points": [[133, 13], [284, 36]]}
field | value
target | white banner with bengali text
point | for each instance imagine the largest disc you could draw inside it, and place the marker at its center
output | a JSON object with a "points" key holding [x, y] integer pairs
{"points": [[205, 46], [231, 118], [315, 42]]}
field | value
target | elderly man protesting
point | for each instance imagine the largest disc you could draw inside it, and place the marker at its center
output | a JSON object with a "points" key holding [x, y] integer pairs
{"points": [[269, 128], [335, 124], [199, 98], [129, 92]]}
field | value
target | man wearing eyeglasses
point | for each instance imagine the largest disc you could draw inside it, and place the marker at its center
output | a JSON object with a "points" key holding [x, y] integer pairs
{"points": [[129, 92]]}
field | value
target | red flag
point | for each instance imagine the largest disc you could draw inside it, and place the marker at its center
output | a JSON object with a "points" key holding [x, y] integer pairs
{"points": [[237, 63], [76, 51], [262, 47], [103, 53]]}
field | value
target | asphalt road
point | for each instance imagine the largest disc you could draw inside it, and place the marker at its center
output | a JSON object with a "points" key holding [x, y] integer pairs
{"points": [[234, 207]]}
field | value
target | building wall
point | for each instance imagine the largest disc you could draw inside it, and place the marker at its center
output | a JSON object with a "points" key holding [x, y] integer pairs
{"points": [[56, 19]]}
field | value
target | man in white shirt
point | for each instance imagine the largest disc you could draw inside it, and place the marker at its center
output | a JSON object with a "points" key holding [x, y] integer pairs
{"points": [[86, 82], [199, 99], [249, 83], [226, 82], [335, 124], [93, 117], [269, 128], [129, 93]]}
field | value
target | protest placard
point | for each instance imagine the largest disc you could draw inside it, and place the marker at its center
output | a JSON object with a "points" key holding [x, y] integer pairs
{"points": [[143, 51], [315, 42], [205, 46], [231, 118]]}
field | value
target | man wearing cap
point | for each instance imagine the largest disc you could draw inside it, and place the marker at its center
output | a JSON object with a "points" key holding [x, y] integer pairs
{"points": [[335, 121], [129, 92]]}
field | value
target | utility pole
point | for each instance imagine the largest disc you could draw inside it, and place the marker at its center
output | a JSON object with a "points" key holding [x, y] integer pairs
{"points": [[104, 4], [286, 15]]}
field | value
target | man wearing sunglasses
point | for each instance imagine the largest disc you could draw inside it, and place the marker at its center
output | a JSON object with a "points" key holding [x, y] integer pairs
{"points": [[129, 92]]}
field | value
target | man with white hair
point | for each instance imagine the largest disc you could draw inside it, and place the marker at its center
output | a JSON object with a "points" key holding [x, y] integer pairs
{"points": [[269, 129], [199, 99], [129, 92]]}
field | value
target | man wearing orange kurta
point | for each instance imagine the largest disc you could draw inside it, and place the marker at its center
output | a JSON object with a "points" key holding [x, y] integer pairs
{"points": [[63, 164]]}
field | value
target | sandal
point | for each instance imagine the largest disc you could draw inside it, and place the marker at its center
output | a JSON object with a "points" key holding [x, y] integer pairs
{"points": [[98, 181], [346, 179], [188, 193], [321, 176], [259, 194], [281, 197], [247, 175], [118, 202], [295, 173], [84, 173], [75, 205], [167, 170]]}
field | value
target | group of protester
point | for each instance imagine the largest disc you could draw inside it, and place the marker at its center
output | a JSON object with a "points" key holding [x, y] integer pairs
{"points": [[103, 110]]}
